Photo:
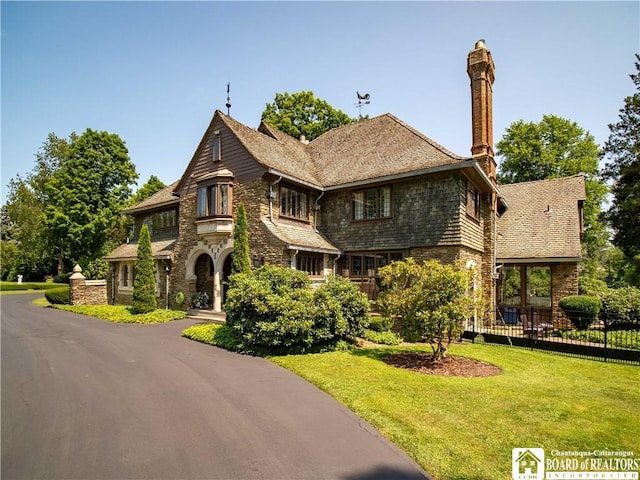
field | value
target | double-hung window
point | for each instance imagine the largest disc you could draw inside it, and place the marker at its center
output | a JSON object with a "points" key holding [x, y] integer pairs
{"points": [[372, 203]]}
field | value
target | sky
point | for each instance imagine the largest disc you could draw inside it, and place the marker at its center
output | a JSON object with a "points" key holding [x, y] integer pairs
{"points": [[155, 72]]}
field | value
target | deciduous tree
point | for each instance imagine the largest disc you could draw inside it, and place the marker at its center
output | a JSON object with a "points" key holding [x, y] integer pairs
{"points": [[553, 148], [303, 114], [622, 149], [86, 192]]}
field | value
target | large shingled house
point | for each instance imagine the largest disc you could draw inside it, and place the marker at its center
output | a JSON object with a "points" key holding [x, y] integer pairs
{"points": [[348, 202]]}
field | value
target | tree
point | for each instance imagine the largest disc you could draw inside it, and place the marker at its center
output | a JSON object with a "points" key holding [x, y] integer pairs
{"points": [[623, 151], [302, 114], [86, 193], [554, 148], [431, 299], [23, 225], [144, 283], [240, 261], [151, 187]]}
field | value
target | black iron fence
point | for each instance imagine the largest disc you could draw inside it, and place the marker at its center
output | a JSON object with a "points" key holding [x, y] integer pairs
{"points": [[610, 339]]}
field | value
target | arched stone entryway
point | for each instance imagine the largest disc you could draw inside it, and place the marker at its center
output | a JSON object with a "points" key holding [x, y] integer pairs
{"points": [[204, 273], [205, 268]]}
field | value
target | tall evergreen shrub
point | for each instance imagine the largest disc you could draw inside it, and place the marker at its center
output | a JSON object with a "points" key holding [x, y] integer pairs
{"points": [[240, 262], [144, 284]]}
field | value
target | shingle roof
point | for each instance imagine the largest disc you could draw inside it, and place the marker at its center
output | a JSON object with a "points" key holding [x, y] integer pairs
{"points": [[159, 199], [543, 220], [364, 150], [302, 237], [129, 251]]}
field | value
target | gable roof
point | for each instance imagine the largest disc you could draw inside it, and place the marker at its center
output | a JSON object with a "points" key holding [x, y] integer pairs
{"points": [[367, 150], [161, 198], [543, 217]]}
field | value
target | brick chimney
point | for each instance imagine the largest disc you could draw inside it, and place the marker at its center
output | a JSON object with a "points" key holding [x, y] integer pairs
{"points": [[481, 71]]}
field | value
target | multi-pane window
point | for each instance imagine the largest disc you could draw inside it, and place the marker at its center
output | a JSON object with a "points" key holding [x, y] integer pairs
{"points": [[310, 263], [214, 200], [473, 201], [164, 220], [364, 265], [293, 203], [372, 203]]}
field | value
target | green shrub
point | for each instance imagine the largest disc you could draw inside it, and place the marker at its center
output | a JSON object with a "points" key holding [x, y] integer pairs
{"points": [[62, 278], [380, 324], [58, 296], [591, 286], [582, 310], [144, 283], [275, 308], [124, 314], [431, 300], [621, 307], [382, 338]]}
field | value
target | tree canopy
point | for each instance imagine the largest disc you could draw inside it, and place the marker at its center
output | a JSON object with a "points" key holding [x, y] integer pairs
{"points": [[301, 113], [552, 148], [150, 187], [622, 149], [86, 192], [68, 207]]}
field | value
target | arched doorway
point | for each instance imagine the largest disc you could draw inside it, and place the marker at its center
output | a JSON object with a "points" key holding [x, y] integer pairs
{"points": [[204, 273]]}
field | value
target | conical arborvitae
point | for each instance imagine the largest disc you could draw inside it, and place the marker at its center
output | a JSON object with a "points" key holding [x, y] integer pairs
{"points": [[144, 284], [240, 262]]}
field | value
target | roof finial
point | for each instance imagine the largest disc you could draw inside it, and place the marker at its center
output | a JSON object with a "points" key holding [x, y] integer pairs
{"points": [[228, 105]]}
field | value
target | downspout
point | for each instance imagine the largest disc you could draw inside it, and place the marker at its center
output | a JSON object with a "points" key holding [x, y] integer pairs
{"points": [[335, 263], [293, 259], [271, 196], [317, 209]]}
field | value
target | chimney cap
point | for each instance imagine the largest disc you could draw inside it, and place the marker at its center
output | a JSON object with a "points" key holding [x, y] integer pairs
{"points": [[481, 44]]}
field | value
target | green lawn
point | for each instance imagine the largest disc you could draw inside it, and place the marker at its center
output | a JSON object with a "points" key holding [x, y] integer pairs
{"points": [[465, 428], [27, 287]]}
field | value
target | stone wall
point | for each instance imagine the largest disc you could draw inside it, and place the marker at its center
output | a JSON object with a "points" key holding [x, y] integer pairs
{"points": [[86, 292], [564, 282]]}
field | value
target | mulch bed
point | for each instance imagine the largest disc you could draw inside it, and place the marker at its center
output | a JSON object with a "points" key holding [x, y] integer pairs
{"points": [[449, 366]]}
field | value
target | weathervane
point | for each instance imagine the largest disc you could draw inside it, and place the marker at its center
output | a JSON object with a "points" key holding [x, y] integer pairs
{"points": [[362, 101], [228, 105]]}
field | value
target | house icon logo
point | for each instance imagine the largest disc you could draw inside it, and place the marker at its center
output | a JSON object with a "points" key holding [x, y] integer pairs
{"points": [[527, 463]]}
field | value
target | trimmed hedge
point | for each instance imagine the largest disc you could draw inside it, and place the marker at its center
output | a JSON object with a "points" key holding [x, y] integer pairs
{"points": [[382, 338], [58, 296], [582, 310]]}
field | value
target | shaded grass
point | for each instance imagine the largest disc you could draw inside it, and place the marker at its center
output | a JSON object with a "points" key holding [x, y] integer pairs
{"points": [[465, 428], [123, 314]]}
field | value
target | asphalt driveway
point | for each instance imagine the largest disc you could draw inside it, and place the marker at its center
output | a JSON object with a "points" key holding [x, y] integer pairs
{"points": [[87, 399]]}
